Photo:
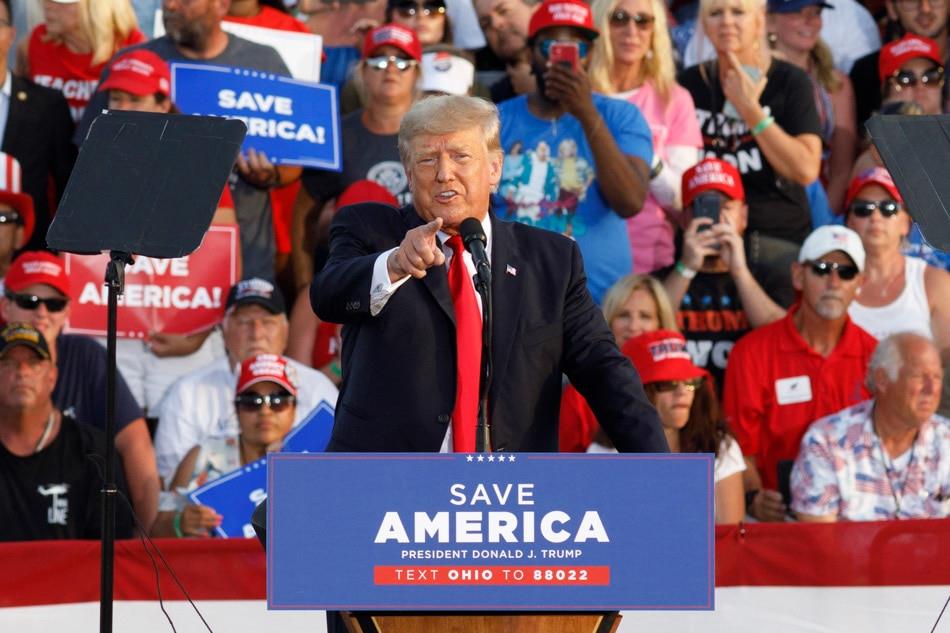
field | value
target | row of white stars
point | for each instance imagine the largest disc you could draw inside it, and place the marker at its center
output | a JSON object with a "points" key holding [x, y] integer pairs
{"points": [[491, 457]]}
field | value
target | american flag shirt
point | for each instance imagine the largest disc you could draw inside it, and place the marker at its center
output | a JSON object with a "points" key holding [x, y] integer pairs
{"points": [[842, 470]]}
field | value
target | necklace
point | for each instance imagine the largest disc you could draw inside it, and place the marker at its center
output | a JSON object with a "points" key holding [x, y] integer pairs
{"points": [[46, 432], [891, 473]]}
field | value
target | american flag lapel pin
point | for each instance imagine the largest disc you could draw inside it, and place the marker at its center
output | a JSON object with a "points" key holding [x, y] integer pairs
{"points": [[511, 270]]}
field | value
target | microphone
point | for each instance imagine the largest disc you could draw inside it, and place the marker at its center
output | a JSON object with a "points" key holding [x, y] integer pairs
{"points": [[473, 237]]}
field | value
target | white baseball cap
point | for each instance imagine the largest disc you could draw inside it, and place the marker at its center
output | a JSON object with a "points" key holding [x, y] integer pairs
{"points": [[446, 73], [829, 238]]}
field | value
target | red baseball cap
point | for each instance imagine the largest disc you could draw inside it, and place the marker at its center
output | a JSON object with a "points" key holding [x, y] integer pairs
{"points": [[12, 194], [365, 191], [402, 38], [267, 368], [37, 267], [712, 174], [562, 13], [661, 355], [896, 54], [873, 176], [140, 72]]}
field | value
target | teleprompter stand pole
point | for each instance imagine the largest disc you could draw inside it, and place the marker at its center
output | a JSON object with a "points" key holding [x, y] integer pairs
{"points": [[115, 281]]}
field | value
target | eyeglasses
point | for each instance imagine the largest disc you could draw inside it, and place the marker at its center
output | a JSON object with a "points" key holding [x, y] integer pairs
{"points": [[908, 78], [664, 386], [846, 272], [914, 5], [582, 47], [864, 208], [10, 217], [32, 302], [277, 401], [411, 9], [382, 63], [621, 18]]}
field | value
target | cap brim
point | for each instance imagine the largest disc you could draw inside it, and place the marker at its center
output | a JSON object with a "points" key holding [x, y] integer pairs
{"points": [[277, 381], [264, 303], [44, 354], [126, 84]]}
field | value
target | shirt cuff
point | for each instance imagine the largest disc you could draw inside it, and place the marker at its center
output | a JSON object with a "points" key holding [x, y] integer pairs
{"points": [[382, 288]]}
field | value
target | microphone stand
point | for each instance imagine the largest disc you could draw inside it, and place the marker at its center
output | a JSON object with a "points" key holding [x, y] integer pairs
{"points": [[482, 281]]}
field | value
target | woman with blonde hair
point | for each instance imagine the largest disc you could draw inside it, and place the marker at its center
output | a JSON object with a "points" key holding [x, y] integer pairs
{"points": [[633, 60], [794, 27], [69, 51], [635, 304], [758, 113]]}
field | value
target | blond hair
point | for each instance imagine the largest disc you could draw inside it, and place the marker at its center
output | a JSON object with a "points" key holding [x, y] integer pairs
{"points": [[105, 24], [658, 67], [445, 114], [754, 6], [618, 294]]}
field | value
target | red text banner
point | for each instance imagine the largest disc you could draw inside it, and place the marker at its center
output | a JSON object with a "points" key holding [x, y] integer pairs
{"points": [[174, 296]]}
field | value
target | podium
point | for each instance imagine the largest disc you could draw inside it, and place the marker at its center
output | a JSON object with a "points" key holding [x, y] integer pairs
{"points": [[489, 542], [481, 623]]}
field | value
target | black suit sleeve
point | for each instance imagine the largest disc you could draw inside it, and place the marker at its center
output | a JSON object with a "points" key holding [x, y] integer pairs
{"points": [[63, 150], [340, 293], [603, 375]]}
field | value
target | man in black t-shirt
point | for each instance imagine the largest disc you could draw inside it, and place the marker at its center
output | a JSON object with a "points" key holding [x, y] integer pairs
{"points": [[49, 464], [719, 297], [37, 292]]}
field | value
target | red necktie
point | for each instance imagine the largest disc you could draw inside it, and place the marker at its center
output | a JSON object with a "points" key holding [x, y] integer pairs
{"points": [[468, 345]]}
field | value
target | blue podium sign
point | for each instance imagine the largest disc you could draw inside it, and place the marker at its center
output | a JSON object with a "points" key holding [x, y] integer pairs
{"points": [[502, 531], [293, 122]]}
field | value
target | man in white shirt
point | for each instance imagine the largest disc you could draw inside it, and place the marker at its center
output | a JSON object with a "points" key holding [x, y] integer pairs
{"points": [[199, 404]]}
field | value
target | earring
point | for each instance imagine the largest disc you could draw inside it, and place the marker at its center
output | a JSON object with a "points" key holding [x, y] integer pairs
{"points": [[773, 39], [649, 54]]}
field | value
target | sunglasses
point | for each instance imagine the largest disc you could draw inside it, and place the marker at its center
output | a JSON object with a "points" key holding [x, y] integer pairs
{"points": [[10, 217], [664, 386], [32, 302], [621, 18], [582, 47], [908, 78], [846, 272], [277, 401], [382, 63], [864, 208], [411, 9]]}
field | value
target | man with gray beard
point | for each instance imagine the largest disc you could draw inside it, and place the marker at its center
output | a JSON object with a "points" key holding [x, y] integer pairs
{"points": [[812, 363], [193, 34]]}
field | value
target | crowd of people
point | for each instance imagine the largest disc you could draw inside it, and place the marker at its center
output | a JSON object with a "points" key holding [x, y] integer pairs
{"points": [[750, 253]]}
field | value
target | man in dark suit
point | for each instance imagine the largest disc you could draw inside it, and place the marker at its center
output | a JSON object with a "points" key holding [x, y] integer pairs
{"points": [[37, 130], [387, 282]]}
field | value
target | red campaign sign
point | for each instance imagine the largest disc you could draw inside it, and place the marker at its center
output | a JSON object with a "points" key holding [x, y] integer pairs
{"points": [[175, 296]]}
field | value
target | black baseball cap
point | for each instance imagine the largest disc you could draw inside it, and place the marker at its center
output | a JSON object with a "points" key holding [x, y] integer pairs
{"points": [[23, 334], [257, 291]]}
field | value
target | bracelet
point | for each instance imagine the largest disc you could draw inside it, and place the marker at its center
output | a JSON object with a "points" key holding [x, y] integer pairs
{"points": [[657, 167], [177, 525], [684, 271], [763, 125]]}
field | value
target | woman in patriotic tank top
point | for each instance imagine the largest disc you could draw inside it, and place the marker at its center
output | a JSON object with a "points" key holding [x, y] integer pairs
{"points": [[69, 51]]}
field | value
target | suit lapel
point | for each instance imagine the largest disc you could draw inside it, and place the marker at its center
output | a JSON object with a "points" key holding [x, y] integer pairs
{"points": [[14, 114], [506, 294], [437, 278]]}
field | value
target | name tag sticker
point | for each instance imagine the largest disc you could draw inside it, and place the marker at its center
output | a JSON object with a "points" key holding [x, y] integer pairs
{"points": [[793, 390]]}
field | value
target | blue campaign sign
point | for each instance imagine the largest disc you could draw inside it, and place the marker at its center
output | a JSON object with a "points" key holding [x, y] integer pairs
{"points": [[504, 531], [313, 432], [234, 496], [293, 122]]}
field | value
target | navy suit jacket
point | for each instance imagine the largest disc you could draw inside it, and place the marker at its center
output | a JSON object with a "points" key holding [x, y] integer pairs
{"points": [[398, 387]]}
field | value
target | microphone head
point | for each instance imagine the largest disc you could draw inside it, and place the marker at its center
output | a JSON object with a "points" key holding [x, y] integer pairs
{"points": [[471, 229]]}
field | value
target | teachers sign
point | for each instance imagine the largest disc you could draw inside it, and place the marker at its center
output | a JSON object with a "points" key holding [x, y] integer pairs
{"points": [[292, 122]]}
